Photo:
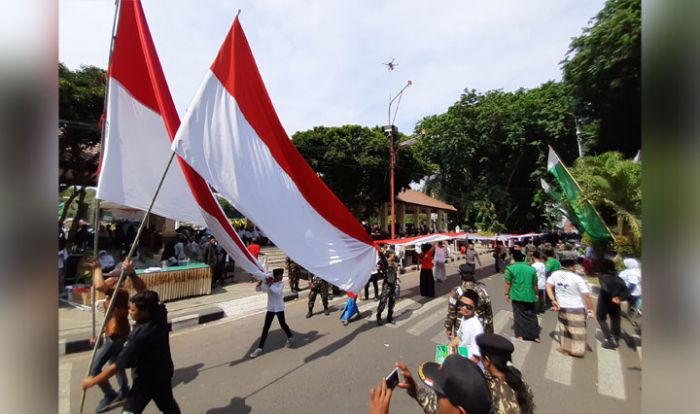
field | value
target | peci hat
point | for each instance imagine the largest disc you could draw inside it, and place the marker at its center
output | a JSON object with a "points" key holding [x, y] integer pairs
{"points": [[494, 344], [277, 272], [460, 381]]}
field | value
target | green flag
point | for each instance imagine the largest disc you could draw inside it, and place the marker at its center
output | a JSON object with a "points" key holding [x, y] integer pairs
{"points": [[563, 204], [586, 216]]}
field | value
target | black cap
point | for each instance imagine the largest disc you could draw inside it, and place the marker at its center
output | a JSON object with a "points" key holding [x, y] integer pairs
{"points": [[460, 380], [494, 344], [277, 272]]}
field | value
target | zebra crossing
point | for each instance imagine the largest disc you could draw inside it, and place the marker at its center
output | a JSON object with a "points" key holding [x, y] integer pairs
{"points": [[421, 318]]}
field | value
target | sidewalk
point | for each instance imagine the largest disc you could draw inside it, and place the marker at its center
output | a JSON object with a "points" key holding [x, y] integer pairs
{"points": [[232, 301]]}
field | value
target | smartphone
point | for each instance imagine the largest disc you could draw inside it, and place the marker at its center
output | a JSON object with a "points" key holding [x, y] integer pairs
{"points": [[392, 379]]}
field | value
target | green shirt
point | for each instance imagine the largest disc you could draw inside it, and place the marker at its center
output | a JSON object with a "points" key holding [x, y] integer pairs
{"points": [[523, 280], [551, 265]]}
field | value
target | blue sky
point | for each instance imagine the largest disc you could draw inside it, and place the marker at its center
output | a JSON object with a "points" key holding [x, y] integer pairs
{"points": [[322, 60]]}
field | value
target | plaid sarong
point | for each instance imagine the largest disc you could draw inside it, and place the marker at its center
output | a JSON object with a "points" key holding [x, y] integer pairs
{"points": [[572, 330]]}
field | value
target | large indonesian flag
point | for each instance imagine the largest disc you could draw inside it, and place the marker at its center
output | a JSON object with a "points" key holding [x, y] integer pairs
{"points": [[141, 121], [232, 136]]}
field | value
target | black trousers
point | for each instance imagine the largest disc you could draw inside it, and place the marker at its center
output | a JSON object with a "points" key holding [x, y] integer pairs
{"points": [[143, 391], [427, 283], [373, 280], [269, 316], [605, 309], [525, 323]]}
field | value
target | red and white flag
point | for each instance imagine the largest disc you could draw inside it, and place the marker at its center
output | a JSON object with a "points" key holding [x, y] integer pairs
{"points": [[141, 122], [232, 136]]}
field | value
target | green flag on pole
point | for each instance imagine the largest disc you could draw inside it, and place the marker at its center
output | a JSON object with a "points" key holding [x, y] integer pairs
{"points": [[586, 216], [563, 204]]}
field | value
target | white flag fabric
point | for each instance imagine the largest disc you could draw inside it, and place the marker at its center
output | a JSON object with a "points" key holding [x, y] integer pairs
{"points": [[141, 121], [232, 136]]}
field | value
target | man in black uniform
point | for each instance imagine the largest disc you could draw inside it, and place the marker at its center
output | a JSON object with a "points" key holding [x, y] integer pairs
{"points": [[147, 351], [613, 290], [316, 286]]}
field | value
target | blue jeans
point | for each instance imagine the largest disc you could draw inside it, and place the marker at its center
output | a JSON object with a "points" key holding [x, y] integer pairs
{"points": [[108, 352]]}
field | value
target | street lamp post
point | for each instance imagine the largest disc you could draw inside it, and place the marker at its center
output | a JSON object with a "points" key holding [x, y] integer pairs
{"points": [[392, 133]]}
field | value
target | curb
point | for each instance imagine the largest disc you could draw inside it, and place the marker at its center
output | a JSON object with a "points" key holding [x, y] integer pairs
{"points": [[73, 345]]}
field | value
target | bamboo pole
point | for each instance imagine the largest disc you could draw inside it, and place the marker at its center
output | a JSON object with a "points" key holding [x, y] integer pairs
{"points": [[132, 250]]}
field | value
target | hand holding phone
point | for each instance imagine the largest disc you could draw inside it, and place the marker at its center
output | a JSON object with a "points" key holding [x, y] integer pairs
{"points": [[392, 379]]}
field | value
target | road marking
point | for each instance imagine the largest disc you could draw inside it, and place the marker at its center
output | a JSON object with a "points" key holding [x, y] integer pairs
{"points": [[559, 366], [420, 327], [611, 382], [64, 371], [397, 307], [500, 320], [423, 309], [520, 352]]}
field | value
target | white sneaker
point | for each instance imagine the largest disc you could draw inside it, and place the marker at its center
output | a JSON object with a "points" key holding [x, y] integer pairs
{"points": [[256, 353], [290, 341]]}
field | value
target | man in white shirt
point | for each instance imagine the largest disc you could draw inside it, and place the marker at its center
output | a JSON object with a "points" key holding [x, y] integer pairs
{"points": [[632, 275], [274, 286], [540, 268], [573, 301], [470, 327]]}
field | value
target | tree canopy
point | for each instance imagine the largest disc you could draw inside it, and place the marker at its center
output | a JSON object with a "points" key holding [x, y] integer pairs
{"points": [[490, 150], [354, 162], [603, 70]]}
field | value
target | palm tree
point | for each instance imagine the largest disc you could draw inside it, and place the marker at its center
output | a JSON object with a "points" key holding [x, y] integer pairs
{"points": [[612, 185]]}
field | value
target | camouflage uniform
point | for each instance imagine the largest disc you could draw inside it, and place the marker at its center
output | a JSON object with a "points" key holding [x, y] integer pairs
{"points": [[294, 274], [317, 286], [504, 399], [388, 293], [530, 249], [483, 311], [428, 400]]}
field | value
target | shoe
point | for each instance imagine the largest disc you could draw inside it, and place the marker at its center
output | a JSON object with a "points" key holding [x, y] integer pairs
{"points": [[608, 344], [379, 320], [309, 314], [345, 323], [376, 299], [289, 342], [256, 353], [121, 396], [326, 312], [389, 319], [104, 404]]}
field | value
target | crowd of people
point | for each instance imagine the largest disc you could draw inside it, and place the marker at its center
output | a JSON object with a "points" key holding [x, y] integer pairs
{"points": [[537, 278]]}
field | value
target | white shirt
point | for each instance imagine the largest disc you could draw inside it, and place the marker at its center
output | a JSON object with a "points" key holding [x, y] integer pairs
{"points": [[568, 288], [62, 257], [468, 331], [275, 295], [633, 277], [541, 274]]}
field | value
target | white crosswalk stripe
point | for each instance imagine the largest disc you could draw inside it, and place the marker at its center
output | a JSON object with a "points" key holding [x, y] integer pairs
{"points": [[426, 307], [500, 320], [559, 367], [611, 382], [428, 322]]}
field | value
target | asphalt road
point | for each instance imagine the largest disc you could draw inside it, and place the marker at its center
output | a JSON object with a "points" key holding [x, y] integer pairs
{"points": [[331, 368]]}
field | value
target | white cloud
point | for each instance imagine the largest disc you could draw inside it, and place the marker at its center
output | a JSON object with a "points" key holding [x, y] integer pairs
{"points": [[321, 60]]}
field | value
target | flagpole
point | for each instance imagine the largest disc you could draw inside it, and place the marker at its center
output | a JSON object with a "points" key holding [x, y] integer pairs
{"points": [[96, 201], [581, 190]]}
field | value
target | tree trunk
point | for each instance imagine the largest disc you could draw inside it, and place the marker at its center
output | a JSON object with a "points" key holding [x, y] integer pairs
{"points": [[80, 212]]}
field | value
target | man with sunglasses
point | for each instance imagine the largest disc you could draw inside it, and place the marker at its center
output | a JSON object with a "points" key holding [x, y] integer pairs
{"points": [[470, 326]]}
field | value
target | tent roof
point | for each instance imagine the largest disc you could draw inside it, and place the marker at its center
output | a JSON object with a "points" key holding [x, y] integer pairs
{"points": [[414, 197]]}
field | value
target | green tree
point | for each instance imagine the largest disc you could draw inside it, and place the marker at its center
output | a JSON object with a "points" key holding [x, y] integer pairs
{"points": [[614, 186], [489, 150], [354, 162], [602, 68], [81, 100]]}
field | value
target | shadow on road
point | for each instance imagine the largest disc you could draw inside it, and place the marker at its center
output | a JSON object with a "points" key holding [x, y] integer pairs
{"points": [[186, 375], [276, 340], [237, 406]]}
